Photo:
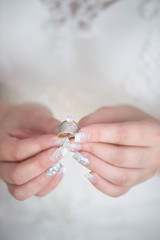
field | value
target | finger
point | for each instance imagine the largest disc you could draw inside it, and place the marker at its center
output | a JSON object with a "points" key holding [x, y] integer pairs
{"points": [[116, 175], [13, 149], [142, 133], [6, 171], [20, 134], [22, 172], [52, 184], [113, 114], [105, 186], [128, 157], [40, 118], [32, 187], [47, 125]]}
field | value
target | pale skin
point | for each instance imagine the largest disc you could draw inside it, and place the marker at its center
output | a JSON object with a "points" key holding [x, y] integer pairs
{"points": [[123, 148], [26, 135]]}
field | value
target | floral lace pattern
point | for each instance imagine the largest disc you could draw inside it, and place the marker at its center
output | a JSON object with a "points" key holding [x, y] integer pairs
{"points": [[144, 82], [149, 8], [75, 13]]}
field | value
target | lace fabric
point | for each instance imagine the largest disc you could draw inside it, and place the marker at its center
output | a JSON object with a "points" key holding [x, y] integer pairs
{"points": [[149, 8], [75, 14], [79, 14], [144, 82]]}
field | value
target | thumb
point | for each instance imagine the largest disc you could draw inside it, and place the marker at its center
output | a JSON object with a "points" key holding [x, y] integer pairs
{"points": [[41, 120], [49, 125], [46, 125]]}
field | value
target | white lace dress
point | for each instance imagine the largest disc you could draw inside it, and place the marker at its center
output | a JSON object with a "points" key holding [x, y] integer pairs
{"points": [[75, 56]]}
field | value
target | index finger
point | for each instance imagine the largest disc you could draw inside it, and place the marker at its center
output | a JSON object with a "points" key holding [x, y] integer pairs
{"points": [[138, 133], [13, 149]]}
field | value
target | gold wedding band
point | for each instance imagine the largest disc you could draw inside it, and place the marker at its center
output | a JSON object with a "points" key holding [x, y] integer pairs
{"points": [[68, 128]]}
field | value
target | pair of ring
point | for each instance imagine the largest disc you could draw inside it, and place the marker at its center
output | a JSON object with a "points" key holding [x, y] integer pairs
{"points": [[68, 128]]}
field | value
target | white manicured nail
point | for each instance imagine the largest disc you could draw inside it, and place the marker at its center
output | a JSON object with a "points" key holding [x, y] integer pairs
{"points": [[75, 147], [82, 136], [54, 169], [58, 154], [81, 158], [60, 141], [62, 171], [90, 177]]}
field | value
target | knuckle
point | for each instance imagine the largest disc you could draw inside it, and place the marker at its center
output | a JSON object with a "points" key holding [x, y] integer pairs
{"points": [[43, 194], [118, 158], [16, 153], [40, 195], [17, 177], [118, 193], [17, 194], [122, 179], [139, 159], [92, 148], [40, 162], [97, 133], [122, 134]]}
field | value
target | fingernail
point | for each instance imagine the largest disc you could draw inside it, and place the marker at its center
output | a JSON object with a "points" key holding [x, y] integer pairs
{"points": [[54, 169], [81, 158], [59, 141], [82, 136], [58, 154], [90, 177], [62, 171], [75, 147]]}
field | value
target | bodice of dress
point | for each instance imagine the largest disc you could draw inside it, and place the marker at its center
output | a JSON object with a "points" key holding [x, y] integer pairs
{"points": [[78, 56], [67, 62]]}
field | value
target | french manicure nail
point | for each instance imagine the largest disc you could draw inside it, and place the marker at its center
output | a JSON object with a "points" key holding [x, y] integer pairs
{"points": [[90, 177], [54, 169], [62, 171], [81, 158], [75, 147], [60, 141], [82, 136], [58, 154]]}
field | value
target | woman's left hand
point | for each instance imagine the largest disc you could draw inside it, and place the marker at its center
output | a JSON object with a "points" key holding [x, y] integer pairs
{"points": [[120, 154]]}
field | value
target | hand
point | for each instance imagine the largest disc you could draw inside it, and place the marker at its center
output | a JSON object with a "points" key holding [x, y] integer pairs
{"points": [[30, 117], [114, 114], [27, 150], [120, 154]]}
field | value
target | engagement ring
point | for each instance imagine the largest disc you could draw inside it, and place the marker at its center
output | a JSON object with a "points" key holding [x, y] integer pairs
{"points": [[68, 128]]}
